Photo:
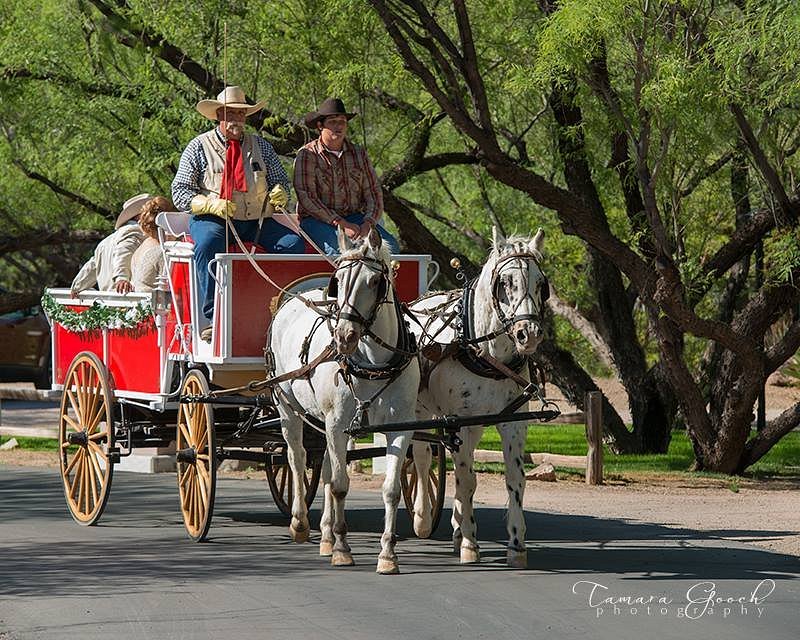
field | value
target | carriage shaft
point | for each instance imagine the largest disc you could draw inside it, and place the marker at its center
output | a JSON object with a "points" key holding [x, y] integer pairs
{"points": [[452, 424]]}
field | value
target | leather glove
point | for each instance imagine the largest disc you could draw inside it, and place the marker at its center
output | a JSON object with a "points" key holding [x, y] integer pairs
{"points": [[278, 197], [215, 206]]}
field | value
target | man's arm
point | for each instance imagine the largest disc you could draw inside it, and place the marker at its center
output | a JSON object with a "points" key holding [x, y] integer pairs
{"points": [[305, 186], [128, 239], [86, 278], [186, 184]]}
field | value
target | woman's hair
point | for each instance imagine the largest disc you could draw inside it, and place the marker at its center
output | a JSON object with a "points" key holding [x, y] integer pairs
{"points": [[147, 218]]}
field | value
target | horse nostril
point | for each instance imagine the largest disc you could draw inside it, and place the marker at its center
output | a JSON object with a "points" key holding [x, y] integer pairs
{"points": [[522, 335]]}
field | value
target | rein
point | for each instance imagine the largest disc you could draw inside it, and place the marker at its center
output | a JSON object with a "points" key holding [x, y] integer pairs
{"points": [[465, 347]]}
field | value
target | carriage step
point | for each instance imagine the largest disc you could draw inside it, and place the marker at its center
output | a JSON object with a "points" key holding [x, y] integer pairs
{"points": [[114, 455]]}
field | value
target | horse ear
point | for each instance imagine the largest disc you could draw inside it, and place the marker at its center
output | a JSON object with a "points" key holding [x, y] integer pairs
{"points": [[537, 244], [374, 239], [497, 237], [344, 241]]}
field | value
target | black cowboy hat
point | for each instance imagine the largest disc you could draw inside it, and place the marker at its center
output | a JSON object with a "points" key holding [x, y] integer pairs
{"points": [[329, 107]]}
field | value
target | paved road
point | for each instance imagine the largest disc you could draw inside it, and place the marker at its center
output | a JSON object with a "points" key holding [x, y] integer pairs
{"points": [[135, 575]]}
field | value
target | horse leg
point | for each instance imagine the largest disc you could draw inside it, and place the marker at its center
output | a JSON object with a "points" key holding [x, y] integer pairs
{"points": [[395, 455], [326, 522], [513, 437], [423, 521], [464, 529], [292, 428], [340, 484]]}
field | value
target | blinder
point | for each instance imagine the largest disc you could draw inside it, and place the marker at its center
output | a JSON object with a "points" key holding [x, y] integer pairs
{"points": [[332, 290]]}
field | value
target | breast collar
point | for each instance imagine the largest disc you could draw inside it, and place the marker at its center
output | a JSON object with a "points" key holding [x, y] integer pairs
{"points": [[468, 354]]}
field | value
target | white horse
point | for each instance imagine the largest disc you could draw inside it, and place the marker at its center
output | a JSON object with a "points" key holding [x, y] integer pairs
{"points": [[501, 317], [377, 374]]}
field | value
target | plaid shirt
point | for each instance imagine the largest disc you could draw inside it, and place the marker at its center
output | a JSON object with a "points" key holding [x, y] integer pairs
{"points": [[327, 186], [192, 168]]}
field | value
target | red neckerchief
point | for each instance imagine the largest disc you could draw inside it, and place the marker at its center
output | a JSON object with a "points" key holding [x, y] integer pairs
{"points": [[233, 172]]}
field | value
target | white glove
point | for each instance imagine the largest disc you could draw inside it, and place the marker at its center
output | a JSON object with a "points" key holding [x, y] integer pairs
{"points": [[278, 197], [215, 206]]}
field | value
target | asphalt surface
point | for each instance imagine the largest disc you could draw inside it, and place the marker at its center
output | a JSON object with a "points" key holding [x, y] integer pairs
{"points": [[136, 575]]}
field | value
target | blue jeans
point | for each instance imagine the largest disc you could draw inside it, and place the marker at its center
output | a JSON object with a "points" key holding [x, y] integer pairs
{"points": [[324, 234], [208, 233]]}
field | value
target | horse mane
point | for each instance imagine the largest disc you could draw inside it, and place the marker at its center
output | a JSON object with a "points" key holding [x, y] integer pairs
{"points": [[512, 244], [363, 249]]}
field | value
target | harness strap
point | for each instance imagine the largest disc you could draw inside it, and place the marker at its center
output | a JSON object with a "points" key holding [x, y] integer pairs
{"points": [[326, 355]]}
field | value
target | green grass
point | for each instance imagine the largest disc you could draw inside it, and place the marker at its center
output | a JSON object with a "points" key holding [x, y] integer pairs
{"points": [[33, 444], [568, 439]]}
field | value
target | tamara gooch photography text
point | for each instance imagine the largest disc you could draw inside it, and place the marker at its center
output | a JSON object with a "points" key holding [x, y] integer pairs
{"points": [[702, 599]]}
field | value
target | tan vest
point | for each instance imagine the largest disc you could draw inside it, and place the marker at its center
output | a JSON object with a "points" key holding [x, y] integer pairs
{"points": [[251, 204]]}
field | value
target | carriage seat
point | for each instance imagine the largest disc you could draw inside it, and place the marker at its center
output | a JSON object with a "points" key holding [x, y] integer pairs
{"points": [[176, 223]]}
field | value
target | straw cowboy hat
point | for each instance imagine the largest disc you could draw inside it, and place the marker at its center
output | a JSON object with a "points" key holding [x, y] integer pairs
{"points": [[132, 208], [232, 97], [330, 107]]}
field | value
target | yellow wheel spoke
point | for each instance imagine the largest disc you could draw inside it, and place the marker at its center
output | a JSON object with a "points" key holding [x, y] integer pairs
{"points": [[185, 433], [96, 466], [92, 405], [100, 435], [95, 419], [203, 441], [202, 484], [73, 462], [96, 448], [92, 478], [72, 423], [74, 404]]}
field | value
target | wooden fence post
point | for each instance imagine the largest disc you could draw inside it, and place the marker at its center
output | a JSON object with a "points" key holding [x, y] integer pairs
{"points": [[593, 409]]}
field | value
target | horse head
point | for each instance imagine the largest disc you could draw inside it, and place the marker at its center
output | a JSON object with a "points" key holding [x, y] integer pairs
{"points": [[519, 288], [360, 284]]}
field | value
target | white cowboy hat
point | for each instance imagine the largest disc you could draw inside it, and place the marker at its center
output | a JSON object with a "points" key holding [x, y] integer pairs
{"points": [[132, 208], [232, 97]]}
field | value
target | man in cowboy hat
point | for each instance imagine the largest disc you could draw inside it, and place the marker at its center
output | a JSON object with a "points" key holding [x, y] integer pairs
{"points": [[110, 265], [227, 173], [335, 183]]}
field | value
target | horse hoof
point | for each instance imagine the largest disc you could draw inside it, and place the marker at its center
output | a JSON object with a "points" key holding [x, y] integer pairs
{"points": [[342, 559], [457, 539], [517, 559], [326, 548], [421, 528], [298, 535], [387, 567], [470, 555]]}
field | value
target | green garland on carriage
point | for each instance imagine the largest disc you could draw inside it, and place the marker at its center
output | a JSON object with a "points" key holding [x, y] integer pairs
{"points": [[98, 317]]}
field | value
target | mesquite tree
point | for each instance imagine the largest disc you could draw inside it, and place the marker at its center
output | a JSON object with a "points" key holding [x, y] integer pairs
{"points": [[675, 125]]}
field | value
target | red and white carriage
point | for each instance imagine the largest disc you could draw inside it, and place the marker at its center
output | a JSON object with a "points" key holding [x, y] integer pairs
{"points": [[126, 363]]}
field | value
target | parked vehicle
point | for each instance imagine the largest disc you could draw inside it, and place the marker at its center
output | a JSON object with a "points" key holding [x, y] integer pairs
{"points": [[25, 347]]}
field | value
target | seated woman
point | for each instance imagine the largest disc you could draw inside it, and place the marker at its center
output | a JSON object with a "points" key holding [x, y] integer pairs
{"points": [[147, 262]]}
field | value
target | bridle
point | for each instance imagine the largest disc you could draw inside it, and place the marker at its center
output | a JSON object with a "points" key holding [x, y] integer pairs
{"points": [[507, 320], [352, 266], [405, 349]]}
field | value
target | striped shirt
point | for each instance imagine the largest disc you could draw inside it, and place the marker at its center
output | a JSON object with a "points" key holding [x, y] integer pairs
{"points": [[328, 186], [192, 167]]}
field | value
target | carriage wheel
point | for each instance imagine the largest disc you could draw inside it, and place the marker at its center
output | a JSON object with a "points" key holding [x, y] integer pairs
{"points": [[281, 483], [196, 458], [86, 438], [437, 481]]}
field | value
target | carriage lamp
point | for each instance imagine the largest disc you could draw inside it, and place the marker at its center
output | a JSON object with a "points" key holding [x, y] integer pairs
{"points": [[395, 266], [161, 297]]}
